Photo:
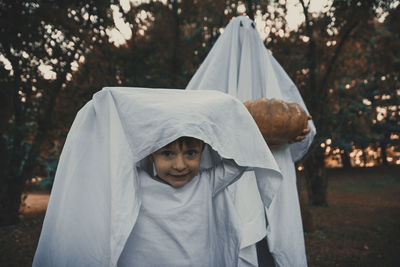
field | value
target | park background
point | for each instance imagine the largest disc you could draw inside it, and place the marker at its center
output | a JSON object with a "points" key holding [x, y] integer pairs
{"points": [[343, 55]]}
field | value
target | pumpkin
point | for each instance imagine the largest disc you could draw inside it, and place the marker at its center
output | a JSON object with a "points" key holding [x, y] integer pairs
{"points": [[279, 122]]}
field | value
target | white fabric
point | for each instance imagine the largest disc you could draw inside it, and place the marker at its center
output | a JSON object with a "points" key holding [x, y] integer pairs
{"points": [[179, 221], [240, 65], [96, 195]]}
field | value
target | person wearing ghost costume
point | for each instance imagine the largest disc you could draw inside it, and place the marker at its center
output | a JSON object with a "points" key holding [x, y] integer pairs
{"points": [[108, 207], [240, 65]]}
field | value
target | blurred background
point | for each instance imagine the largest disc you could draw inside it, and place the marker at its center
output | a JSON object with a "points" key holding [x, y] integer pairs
{"points": [[343, 55]]}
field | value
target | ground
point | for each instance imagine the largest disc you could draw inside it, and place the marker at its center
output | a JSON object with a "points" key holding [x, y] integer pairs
{"points": [[361, 225], [18, 242], [359, 228]]}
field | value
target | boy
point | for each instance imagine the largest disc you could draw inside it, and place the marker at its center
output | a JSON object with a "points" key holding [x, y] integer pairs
{"points": [[175, 226], [178, 162], [143, 181]]}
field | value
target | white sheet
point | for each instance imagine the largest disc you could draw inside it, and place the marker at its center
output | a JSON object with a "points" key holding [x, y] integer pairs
{"points": [[177, 226], [96, 195], [240, 65]]}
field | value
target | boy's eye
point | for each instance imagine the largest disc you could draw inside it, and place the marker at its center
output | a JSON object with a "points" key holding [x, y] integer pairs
{"points": [[192, 153], [166, 153]]}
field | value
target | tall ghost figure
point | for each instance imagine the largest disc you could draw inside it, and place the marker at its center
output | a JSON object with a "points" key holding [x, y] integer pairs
{"points": [[240, 65]]}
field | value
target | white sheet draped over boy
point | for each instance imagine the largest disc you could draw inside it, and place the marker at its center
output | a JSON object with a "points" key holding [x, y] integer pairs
{"points": [[96, 196], [240, 65]]}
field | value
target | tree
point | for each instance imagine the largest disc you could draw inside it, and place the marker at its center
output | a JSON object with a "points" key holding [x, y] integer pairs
{"points": [[169, 41], [44, 44], [41, 44], [382, 88], [340, 27], [323, 43]]}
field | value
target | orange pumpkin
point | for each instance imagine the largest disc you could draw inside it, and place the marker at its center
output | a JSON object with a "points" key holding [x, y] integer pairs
{"points": [[278, 121]]}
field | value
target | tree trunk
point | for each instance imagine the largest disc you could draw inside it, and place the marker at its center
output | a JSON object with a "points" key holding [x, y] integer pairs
{"points": [[11, 184], [249, 9], [306, 215], [316, 181], [10, 189], [10, 200], [364, 155], [17, 165], [175, 60], [345, 160], [383, 154]]}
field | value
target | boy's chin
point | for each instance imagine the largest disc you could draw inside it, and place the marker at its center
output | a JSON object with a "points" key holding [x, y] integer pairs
{"points": [[177, 182]]}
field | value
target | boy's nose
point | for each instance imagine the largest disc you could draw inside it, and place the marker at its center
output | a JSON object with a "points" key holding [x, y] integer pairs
{"points": [[179, 163]]}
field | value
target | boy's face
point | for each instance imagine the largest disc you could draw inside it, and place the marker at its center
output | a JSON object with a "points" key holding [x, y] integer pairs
{"points": [[178, 162]]}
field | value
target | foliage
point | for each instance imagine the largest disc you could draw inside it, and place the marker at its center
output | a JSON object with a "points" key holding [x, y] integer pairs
{"points": [[335, 65], [345, 61], [41, 43], [50, 168]]}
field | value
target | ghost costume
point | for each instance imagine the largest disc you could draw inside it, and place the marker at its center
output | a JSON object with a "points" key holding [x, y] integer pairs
{"points": [[175, 225], [240, 65], [106, 209]]}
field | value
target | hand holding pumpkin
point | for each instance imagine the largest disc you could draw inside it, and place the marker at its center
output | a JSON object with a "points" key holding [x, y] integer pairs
{"points": [[280, 122], [302, 135]]}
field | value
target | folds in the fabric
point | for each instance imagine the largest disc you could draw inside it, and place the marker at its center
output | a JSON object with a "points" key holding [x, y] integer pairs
{"points": [[239, 64], [93, 202], [96, 195]]}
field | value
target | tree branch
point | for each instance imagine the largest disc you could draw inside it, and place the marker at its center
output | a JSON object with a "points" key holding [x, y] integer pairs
{"points": [[310, 56], [44, 123], [336, 54], [249, 8]]}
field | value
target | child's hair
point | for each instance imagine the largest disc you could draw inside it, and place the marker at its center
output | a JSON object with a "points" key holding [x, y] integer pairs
{"points": [[187, 140]]}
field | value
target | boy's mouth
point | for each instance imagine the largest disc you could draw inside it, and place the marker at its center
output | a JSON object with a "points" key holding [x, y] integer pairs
{"points": [[179, 176]]}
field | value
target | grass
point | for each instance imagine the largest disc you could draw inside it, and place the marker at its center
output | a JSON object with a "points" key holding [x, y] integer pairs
{"points": [[361, 226]]}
